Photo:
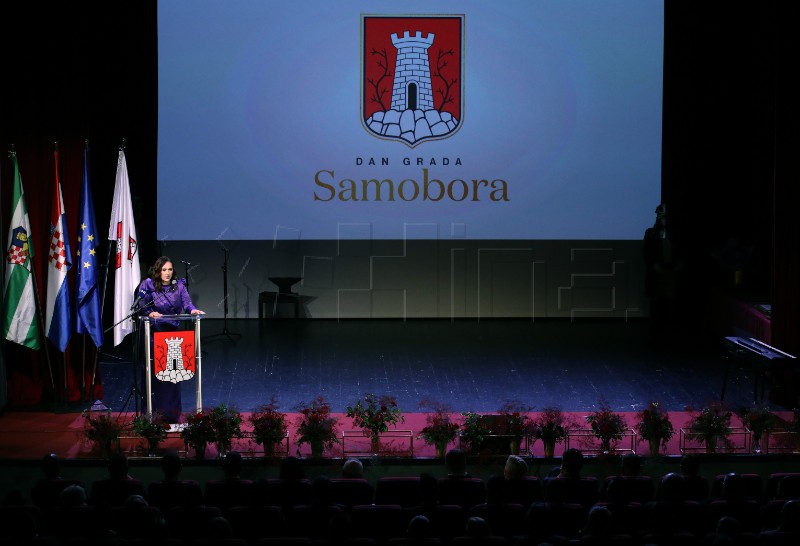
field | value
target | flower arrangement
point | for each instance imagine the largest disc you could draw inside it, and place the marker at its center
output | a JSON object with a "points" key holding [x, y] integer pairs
{"points": [[152, 428], [517, 422], [102, 429], [711, 423], [198, 432], [759, 419], [653, 424], [227, 425], [269, 425], [440, 429], [473, 430], [374, 415], [551, 426], [606, 425], [316, 425]]}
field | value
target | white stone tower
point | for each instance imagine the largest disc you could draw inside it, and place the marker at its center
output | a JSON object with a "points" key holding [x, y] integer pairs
{"points": [[174, 354], [412, 73]]}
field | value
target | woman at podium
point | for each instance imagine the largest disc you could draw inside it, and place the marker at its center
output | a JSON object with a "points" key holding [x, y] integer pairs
{"points": [[161, 294]]}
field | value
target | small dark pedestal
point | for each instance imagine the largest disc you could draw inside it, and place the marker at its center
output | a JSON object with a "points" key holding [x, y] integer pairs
{"points": [[271, 300], [285, 284]]}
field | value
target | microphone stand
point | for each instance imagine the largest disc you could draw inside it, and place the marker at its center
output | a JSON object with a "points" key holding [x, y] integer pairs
{"points": [[230, 335], [134, 392]]}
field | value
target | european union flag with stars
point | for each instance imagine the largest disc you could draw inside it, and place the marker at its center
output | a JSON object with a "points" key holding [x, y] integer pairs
{"points": [[89, 318]]}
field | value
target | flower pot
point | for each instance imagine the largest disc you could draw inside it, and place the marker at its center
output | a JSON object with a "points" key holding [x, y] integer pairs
{"points": [[222, 449], [317, 447], [441, 449], [106, 447], [152, 447], [758, 439], [549, 448], [711, 444], [655, 447], [200, 451], [375, 444], [605, 445]]}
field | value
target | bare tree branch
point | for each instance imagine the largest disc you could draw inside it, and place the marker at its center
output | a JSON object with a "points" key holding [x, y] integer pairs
{"points": [[441, 64], [377, 92]]}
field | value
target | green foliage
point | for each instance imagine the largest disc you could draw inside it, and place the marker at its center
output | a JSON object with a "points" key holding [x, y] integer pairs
{"points": [[374, 414]]}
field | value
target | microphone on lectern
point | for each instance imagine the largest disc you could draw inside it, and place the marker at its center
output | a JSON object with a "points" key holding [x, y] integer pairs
{"points": [[142, 293]]}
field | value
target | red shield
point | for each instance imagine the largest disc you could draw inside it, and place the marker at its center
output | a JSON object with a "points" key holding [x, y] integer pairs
{"points": [[412, 77]]}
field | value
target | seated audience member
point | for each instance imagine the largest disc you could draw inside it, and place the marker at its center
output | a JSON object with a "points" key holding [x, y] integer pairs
{"points": [[599, 527], [571, 464], [670, 512], [115, 490], [554, 520], [696, 486], [313, 519], [788, 530], [735, 504], [459, 488], [232, 490], [419, 532], [352, 468], [505, 519], [47, 490], [627, 513], [352, 489], [577, 489], [729, 531], [519, 487], [455, 462], [291, 488], [640, 487], [73, 496], [171, 490]]}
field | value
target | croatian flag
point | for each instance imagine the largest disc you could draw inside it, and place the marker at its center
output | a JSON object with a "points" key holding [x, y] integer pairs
{"points": [[58, 321]]}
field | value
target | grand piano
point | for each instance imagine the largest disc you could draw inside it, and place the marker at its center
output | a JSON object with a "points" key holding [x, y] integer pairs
{"points": [[767, 362]]}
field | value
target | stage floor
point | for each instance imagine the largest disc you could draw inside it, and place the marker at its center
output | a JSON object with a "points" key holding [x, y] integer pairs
{"points": [[469, 365]]}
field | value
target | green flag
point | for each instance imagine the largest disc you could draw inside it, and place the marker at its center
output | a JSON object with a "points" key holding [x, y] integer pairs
{"points": [[19, 306]]}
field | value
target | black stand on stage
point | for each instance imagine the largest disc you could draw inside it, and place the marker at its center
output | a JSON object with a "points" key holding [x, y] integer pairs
{"points": [[230, 335], [135, 393]]}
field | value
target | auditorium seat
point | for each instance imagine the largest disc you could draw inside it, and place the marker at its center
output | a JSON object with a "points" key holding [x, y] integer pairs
{"points": [[165, 494], [524, 491], [379, 522], [310, 520], [283, 493], [131, 522], [255, 522], [448, 521], [227, 493], [466, 492], [402, 490], [752, 485], [782, 486], [583, 491], [349, 492], [506, 520], [190, 522]]}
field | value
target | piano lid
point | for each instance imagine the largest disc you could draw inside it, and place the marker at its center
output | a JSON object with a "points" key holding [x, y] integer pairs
{"points": [[758, 347]]}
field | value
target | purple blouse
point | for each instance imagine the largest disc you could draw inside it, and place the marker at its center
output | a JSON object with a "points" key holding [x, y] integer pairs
{"points": [[171, 300]]}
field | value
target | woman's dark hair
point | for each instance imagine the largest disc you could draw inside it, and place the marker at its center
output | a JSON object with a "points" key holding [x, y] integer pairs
{"points": [[155, 271]]}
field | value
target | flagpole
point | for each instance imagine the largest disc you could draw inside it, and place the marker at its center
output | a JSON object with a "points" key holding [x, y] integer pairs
{"points": [[42, 335], [66, 280], [102, 304]]}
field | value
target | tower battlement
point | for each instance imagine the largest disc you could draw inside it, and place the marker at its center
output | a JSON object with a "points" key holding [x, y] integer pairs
{"points": [[409, 41]]}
